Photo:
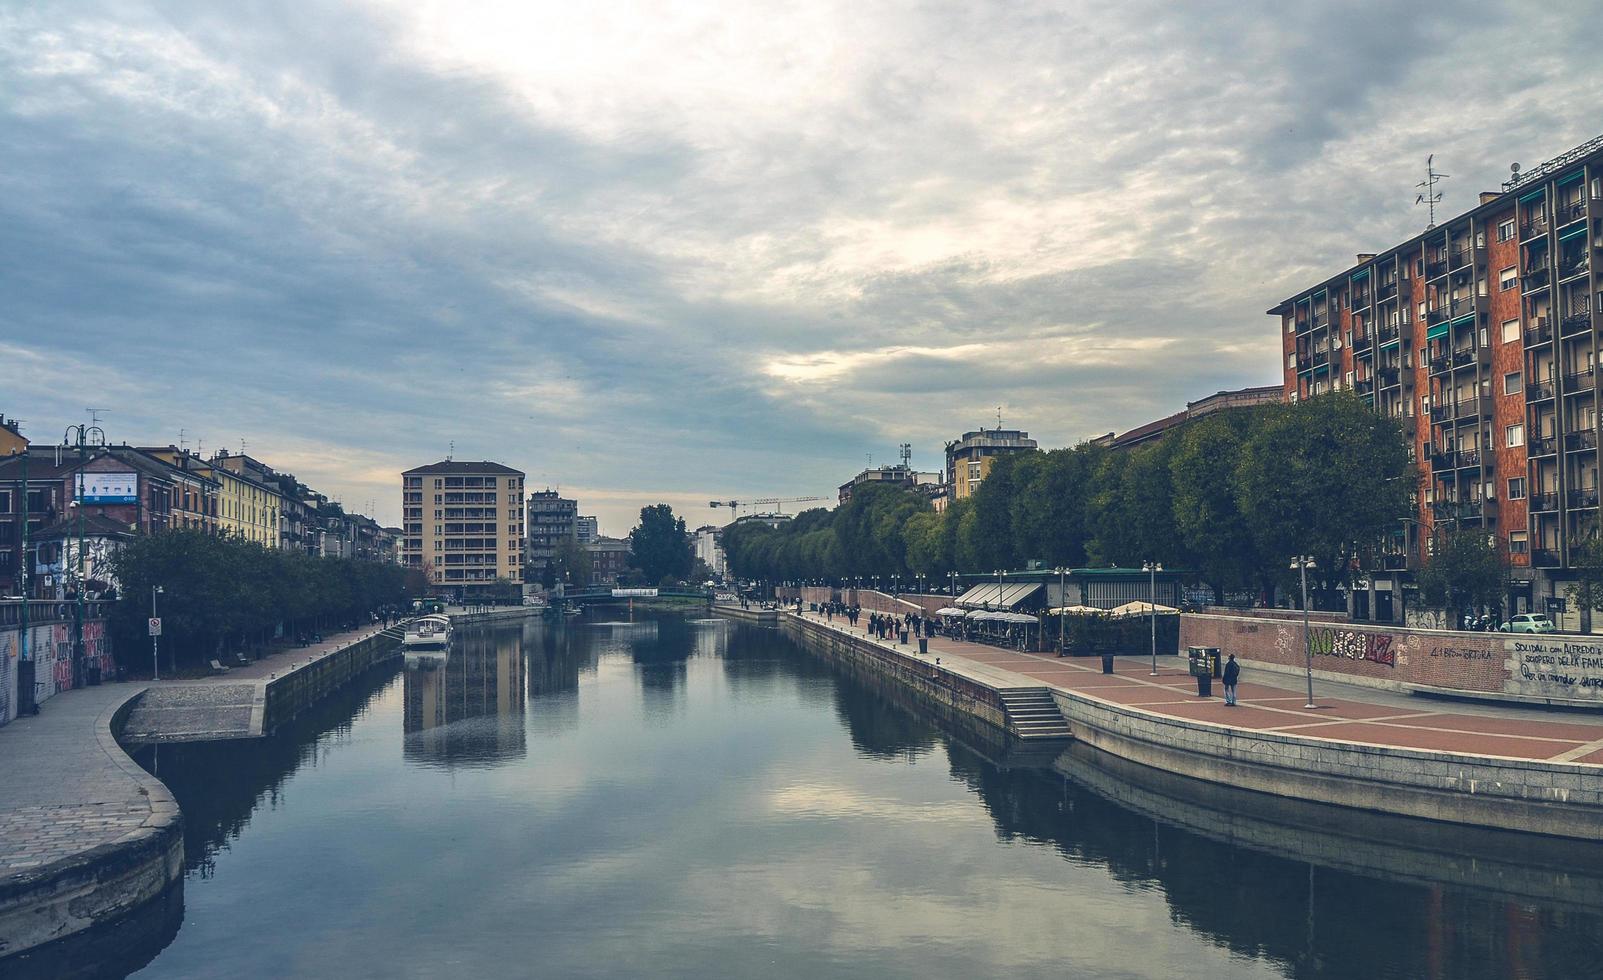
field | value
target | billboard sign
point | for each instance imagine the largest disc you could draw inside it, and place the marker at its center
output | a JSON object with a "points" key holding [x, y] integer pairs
{"points": [[633, 593], [108, 488]]}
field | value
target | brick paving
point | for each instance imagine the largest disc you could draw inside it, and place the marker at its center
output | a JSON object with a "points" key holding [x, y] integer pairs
{"points": [[1273, 702]]}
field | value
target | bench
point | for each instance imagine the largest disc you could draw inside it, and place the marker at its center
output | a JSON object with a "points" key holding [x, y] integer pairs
{"points": [[218, 668], [242, 660]]}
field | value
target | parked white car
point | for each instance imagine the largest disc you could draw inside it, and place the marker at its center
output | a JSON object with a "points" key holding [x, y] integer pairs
{"points": [[1529, 623]]}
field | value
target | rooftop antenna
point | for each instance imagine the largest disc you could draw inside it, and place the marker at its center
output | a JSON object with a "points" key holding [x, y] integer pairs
{"points": [[181, 443], [452, 452], [906, 453], [242, 445], [870, 460], [1431, 196], [998, 418], [94, 415]]}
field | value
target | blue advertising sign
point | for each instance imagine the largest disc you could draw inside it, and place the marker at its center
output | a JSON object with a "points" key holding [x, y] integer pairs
{"points": [[108, 488]]}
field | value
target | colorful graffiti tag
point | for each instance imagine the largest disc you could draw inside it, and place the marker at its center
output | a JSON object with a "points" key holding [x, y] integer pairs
{"points": [[1377, 648]]}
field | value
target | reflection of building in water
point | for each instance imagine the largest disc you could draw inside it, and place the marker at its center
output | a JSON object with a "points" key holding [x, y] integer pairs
{"points": [[468, 708], [555, 660]]}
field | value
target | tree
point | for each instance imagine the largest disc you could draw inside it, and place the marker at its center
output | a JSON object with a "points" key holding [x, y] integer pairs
{"points": [[1467, 570], [1322, 477], [571, 564], [660, 545], [1586, 558], [1207, 513]]}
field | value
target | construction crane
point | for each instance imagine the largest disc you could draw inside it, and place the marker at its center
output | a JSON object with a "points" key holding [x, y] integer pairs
{"points": [[735, 505]]}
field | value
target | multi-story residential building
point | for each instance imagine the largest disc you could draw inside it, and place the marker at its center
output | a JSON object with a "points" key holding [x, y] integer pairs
{"points": [[709, 549], [116, 490], [586, 528], [969, 458], [552, 519], [609, 558], [464, 524], [12, 440], [196, 491], [1480, 336], [251, 500], [1218, 401], [898, 475]]}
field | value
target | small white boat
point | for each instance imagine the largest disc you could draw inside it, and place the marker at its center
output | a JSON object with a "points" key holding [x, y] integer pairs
{"points": [[427, 632]]}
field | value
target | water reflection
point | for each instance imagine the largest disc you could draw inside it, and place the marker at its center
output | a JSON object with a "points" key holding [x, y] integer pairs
{"points": [[729, 804], [466, 708]]}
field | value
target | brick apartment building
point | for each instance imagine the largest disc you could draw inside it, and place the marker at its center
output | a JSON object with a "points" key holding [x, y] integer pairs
{"points": [[1480, 336]]}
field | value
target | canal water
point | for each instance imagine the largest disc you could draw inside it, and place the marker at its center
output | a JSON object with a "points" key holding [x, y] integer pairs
{"points": [[688, 797]]}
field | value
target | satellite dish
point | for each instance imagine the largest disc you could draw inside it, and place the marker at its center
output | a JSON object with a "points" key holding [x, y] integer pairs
{"points": [[1514, 168]]}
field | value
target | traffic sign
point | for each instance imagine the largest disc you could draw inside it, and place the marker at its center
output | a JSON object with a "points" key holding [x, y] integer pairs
{"points": [[155, 626]]}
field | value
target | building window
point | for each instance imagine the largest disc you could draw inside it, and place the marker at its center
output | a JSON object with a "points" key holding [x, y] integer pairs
{"points": [[1518, 542], [1513, 383], [1516, 488], [1508, 278], [1515, 435], [1505, 230]]}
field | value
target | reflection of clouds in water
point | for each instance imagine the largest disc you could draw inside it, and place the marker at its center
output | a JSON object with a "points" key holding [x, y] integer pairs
{"points": [[820, 800], [990, 916]]}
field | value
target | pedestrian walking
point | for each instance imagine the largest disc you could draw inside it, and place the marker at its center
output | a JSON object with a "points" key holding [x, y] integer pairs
{"points": [[1232, 674]]}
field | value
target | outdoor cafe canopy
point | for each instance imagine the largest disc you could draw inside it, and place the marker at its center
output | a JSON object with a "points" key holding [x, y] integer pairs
{"points": [[997, 595], [1142, 609]]}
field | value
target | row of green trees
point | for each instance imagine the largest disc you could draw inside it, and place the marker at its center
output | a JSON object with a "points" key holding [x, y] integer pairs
{"points": [[1233, 496], [223, 593]]}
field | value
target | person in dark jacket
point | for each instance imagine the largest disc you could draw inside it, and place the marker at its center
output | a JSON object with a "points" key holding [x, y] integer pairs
{"points": [[1232, 674]]}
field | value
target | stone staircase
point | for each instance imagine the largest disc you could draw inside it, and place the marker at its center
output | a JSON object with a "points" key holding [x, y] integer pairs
{"points": [[1033, 714]]}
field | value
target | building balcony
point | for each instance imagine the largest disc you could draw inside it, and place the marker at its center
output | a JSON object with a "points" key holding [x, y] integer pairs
{"points": [[1543, 502], [1537, 279], [1364, 386], [1576, 442], [1363, 342], [1321, 320], [1460, 307], [1321, 358], [1468, 458], [1585, 497], [1386, 290], [1573, 268], [1440, 414], [1474, 406], [1544, 558], [1442, 459], [1389, 377], [1439, 365], [1543, 446], [1393, 561], [1388, 333], [1535, 227], [1537, 391], [1472, 356], [1576, 384], [1435, 268], [1575, 323], [1303, 326], [1541, 333], [1467, 256], [1435, 315], [1568, 214]]}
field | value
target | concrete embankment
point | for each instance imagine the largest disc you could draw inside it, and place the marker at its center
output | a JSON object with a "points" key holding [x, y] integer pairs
{"points": [[86, 836], [1541, 795], [250, 707], [761, 617]]}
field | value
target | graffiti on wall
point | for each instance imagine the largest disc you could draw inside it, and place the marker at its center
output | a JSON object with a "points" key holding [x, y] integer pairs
{"points": [[1554, 668], [1376, 648]]}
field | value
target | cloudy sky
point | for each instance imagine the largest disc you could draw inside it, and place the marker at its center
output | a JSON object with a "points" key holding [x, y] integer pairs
{"points": [[652, 251]]}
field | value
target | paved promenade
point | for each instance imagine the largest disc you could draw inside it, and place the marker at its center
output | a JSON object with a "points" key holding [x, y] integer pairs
{"points": [[1274, 703]]}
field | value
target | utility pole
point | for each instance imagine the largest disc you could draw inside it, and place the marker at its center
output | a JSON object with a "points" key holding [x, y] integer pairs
{"points": [[83, 432]]}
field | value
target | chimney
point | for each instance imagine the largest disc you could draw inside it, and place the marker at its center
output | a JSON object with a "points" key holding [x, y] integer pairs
{"points": [[1365, 257], [1488, 197]]}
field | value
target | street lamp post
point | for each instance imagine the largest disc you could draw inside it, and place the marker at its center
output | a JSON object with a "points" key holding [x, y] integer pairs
{"points": [[1301, 564], [1063, 619], [155, 637], [1152, 569]]}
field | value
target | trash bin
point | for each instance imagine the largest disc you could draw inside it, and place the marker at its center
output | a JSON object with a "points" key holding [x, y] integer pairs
{"points": [[1107, 663], [1200, 661], [923, 644], [903, 635]]}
